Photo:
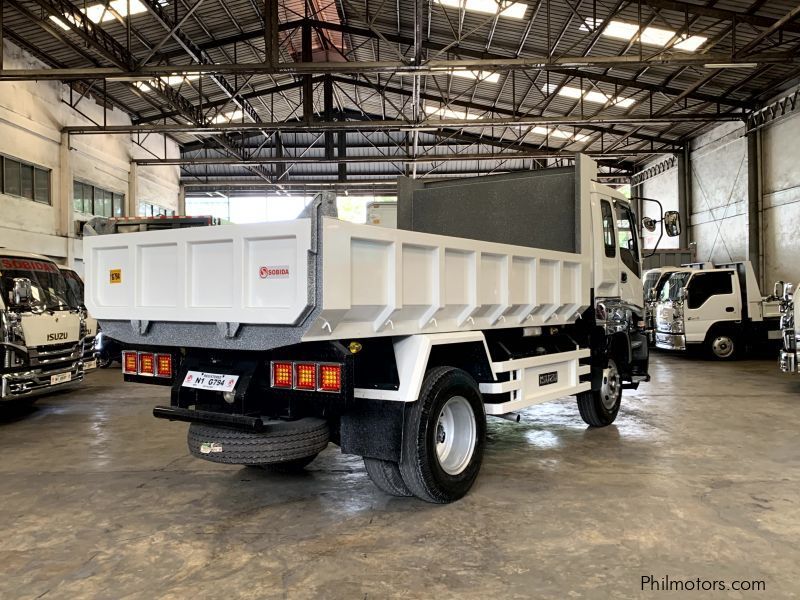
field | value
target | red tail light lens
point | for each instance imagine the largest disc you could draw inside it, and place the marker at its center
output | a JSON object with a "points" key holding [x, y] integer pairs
{"points": [[164, 365], [130, 362], [330, 378], [305, 376], [282, 374], [147, 363]]}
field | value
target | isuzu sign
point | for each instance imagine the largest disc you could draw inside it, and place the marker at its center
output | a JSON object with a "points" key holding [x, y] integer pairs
{"points": [[274, 272], [55, 337]]}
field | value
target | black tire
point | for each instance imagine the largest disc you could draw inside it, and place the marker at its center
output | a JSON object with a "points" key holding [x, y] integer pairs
{"points": [[722, 345], [599, 408], [281, 442], [386, 476], [420, 466], [297, 465]]}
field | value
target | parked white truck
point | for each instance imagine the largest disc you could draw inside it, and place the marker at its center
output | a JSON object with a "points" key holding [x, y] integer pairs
{"points": [[494, 294], [44, 339], [717, 307], [790, 338]]}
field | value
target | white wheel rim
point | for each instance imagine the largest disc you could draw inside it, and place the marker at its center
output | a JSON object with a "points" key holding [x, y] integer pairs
{"points": [[723, 346], [455, 433], [610, 389]]}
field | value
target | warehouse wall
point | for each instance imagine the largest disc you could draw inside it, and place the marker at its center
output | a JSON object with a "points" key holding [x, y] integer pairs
{"points": [[718, 211], [780, 194], [31, 117]]}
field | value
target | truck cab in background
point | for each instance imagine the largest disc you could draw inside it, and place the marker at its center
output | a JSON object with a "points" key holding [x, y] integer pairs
{"points": [[75, 283], [652, 283], [43, 330], [717, 307], [788, 305]]}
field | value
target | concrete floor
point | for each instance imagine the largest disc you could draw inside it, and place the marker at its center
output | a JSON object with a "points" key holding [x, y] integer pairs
{"points": [[699, 477]]}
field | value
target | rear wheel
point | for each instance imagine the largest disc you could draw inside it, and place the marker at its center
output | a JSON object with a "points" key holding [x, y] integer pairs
{"points": [[386, 476], [444, 435], [599, 408]]}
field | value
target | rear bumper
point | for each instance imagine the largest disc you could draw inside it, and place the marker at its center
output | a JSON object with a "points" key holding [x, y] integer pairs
{"points": [[28, 384], [670, 341], [788, 362], [243, 422]]}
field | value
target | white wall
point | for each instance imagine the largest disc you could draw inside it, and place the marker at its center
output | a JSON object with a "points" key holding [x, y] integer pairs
{"points": [[31, 117]]}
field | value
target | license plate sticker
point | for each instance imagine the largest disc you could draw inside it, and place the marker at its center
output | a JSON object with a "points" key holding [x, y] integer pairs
{"points": [[60, 378], [90, 364], [210, 381]]}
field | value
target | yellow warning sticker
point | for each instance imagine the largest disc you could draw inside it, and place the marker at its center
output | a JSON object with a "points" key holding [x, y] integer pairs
{"points": [[115, 275]]}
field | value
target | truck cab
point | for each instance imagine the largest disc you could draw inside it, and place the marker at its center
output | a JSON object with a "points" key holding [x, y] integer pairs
{"points": [[652, 283], [43, 331], [719, 308], [75, 283]]}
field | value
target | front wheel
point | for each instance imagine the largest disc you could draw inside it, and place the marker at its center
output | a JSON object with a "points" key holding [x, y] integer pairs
{"points": [[444, 436], [599, 408], [722, 346]]}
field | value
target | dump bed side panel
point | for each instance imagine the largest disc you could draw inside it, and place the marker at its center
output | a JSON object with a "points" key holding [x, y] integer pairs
{"points": [[256, 274], [379, 281]]}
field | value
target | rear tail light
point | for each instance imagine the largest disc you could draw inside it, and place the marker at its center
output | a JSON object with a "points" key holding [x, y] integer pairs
{"points": [[164, 365], [282, 374], [147, 363], [130, 362], [305, 376], [330, 378]]}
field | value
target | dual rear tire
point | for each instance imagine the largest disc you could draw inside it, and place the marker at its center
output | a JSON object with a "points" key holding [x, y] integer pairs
{"points": [[443, 441]]}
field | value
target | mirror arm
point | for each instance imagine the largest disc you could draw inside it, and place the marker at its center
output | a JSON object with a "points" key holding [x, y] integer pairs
{"points": [[661, 221]]}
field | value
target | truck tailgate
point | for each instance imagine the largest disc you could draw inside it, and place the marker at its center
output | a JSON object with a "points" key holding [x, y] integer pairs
{"points": [[256, 274]]}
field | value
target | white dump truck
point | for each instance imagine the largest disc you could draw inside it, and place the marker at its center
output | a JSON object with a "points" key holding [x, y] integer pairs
{"points": [[45, 343], [654, 280], [717, 307], [790, 338], [494, 294]]}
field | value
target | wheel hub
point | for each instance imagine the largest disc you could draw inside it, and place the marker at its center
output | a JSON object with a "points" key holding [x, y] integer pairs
{"points": [[723, 346], [611, 387], [456, 435]]}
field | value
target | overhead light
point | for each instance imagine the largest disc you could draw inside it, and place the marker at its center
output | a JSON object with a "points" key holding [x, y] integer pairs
{"points": [[487, 76], [447, 113], [515, 10], [652, 36], [731, 65], [590, 96]]}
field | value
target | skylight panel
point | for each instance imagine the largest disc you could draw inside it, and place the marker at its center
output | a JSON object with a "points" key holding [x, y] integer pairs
{"points": [[692, 43], [447, 113], [514, 10], [234, 115], [591, 96], [652, 36], [487, 76]]}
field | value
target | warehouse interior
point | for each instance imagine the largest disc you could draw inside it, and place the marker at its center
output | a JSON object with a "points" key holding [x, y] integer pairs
{"points": [[245, 111]]}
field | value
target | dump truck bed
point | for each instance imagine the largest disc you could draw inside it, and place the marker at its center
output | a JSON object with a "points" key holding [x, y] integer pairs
{"points": [[255, 287]]}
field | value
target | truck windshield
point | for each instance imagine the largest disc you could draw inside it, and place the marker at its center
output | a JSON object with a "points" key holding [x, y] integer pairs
{"points": [[650, 281], [75, 284], [49, 288], [672, 286]]}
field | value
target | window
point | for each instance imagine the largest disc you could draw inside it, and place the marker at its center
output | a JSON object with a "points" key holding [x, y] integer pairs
{"points": [[24, 180], [673, 286], [608, 229], [626, 234], [93, 200], [153, 210], [704, 285]]}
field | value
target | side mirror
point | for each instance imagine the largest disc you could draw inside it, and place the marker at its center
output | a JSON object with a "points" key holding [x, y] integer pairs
{"points": [[779, 289], [652, 294], [22, 293], [649, 224], [672, 223], [683, 293]]}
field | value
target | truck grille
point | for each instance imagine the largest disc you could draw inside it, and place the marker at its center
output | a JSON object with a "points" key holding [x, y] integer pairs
{"points": [[46, 356]]}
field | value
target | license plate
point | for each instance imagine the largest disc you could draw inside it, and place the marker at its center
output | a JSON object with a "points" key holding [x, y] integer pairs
{"points": [[210, 381], [90, 364], [60, 378]]}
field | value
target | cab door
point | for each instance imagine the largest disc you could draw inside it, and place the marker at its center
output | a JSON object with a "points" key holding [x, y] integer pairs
{"points": [[630, 268], [606, 260], [712, 296]]}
